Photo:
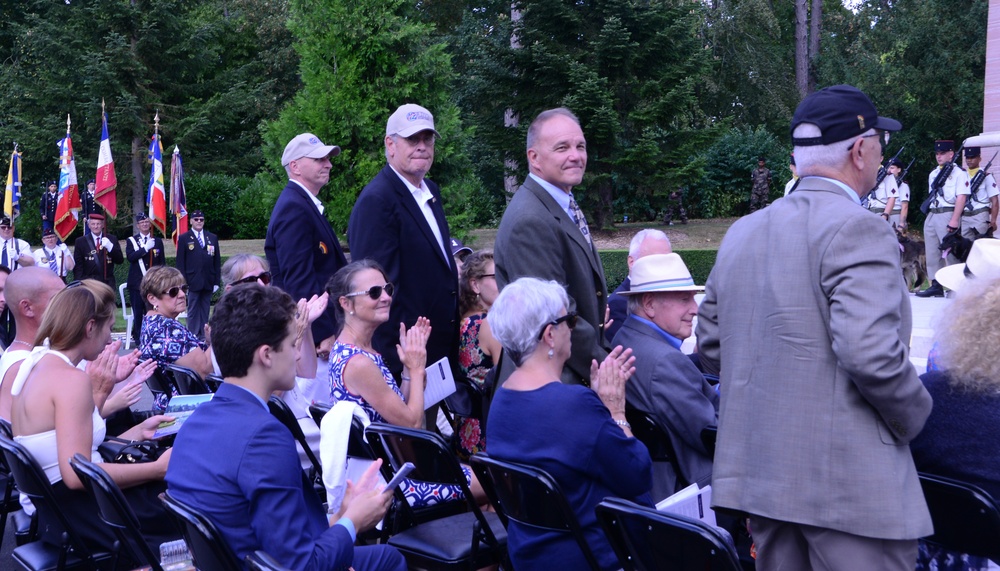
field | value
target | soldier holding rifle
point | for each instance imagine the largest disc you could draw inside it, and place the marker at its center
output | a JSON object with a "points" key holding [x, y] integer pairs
{"points": [[981, 209], [902, 206], [948, 190]]}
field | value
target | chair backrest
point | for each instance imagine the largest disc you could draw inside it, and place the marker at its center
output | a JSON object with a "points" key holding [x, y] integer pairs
{"points": [[188, 382], [115, 510], [966, 518], [32, 482], [261, 561], [657, 441], [529, 496], [318, 410], [279, 409], [433, 461], [209, 549], [648, 540], [709, 435], [162, 383], [213, 382], [127, 313]]}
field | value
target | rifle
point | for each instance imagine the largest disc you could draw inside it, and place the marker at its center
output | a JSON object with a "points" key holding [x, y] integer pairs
{"points": [[902, 175], [882, 172], [977, 181], [939, 181]]}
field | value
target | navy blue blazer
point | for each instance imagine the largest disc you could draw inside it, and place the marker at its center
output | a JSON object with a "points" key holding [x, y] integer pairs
{"points": [[201, 270], [387, 226], [303, 252], [236, 463]]}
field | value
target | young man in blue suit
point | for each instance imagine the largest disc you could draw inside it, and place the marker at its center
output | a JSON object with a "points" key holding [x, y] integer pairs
{"points": [[237, 464], [300, 245], [399, 222]]}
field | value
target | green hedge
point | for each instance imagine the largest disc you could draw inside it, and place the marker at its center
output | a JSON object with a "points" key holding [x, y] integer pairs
{"points": [[615, 262]]}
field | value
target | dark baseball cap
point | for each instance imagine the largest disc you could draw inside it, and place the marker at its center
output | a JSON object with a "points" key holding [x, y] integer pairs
{"points": [[841, 112]]}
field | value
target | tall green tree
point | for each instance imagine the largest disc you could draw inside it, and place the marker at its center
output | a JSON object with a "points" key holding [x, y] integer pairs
{"points": [[632, 71], [360, 60]]}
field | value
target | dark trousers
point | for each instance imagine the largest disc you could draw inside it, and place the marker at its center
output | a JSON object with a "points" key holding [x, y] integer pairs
{"points": [[138, 310], [198, 305]]}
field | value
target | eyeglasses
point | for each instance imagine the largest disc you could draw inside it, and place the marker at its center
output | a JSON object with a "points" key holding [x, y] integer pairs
{"points": [[426, 137], [197, 220], [374, 292], [176, 290], [570, 319], [488, 276], [265, 278]]}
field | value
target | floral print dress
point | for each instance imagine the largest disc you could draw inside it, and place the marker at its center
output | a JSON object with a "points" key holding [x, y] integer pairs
{"points": [[470, 436]]}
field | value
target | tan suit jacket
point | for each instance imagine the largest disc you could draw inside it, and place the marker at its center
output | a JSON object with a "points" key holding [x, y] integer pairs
{"points": [[807, 318]]}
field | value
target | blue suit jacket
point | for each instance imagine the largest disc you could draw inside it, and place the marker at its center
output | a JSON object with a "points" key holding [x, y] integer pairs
{"points": [[303, 252], [388, 227], [236, 463], [201, 270]]}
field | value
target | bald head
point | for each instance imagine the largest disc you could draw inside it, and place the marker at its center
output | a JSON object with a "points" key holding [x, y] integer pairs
{"points": [[29, 290], [647, 242]]}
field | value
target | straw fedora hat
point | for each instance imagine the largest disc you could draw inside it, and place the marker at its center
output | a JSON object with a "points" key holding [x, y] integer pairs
{"points": [[660, 273]]}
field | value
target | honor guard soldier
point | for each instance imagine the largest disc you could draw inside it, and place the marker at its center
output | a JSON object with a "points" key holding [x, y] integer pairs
{"points": [[980, 212], [945, 214]]}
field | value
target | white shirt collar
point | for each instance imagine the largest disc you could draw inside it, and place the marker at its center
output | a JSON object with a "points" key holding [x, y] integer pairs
{"points": [[313, 197]]}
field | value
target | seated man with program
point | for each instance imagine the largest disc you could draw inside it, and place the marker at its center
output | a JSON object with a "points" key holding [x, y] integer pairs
{"points": [[237, 464]]}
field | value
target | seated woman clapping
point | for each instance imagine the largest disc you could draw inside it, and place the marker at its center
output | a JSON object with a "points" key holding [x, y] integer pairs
{"points": [[577, 434], [361, 295], [163, 338], [54, 415]]}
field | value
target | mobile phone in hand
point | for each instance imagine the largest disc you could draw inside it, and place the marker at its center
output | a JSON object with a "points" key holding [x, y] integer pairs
{"points": [[401, 474]]}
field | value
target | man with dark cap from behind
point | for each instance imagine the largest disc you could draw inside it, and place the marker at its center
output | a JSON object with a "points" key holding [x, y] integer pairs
{"points": [[807, 322]]}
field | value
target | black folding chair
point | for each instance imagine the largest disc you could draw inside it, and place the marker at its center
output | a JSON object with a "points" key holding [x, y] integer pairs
{"points": [[531, 497], [649, 540], [213, 382], [261, 561], [657, 441], [188, 382], [709, 435], [73, 553], [966, 519], [318, 410], [160, 383], [279, 409], [115, 511], [357, 446], [209, 549], [468, 540]]}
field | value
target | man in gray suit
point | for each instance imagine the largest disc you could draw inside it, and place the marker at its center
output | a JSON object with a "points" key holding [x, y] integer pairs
{"points": [[666, 384], [543, 234], [807, 318]]}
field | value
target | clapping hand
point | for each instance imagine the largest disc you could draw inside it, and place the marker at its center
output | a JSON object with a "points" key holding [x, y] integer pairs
{"points": [[412, 347], [608, 379]]}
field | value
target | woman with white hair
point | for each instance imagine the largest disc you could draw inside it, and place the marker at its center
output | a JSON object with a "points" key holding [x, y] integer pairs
{"points": [[578, 435]]}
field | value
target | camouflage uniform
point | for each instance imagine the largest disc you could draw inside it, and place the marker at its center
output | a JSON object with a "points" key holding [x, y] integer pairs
{"points": [[761, 177]]}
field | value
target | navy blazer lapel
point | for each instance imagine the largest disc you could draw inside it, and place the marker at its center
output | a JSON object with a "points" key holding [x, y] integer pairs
{"points": [[410, 205], [319, 220], [565, 222]]}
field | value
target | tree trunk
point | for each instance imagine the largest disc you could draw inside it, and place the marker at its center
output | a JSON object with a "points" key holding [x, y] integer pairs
{"points": [[138, 196], [815, 23], [801, 48], [511, 119]]}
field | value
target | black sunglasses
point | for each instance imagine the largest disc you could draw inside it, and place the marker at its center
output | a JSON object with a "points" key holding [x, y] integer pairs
{"points": [[570, 319], [197, 220], [176, 291], [373, 292], [265, 278]]}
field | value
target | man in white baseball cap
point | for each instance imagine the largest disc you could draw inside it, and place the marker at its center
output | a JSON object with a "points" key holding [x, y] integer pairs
{"points": [[667, 386], [399, 222], [301, 246]]}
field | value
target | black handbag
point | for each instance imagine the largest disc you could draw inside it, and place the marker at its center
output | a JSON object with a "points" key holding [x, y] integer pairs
{"points": [[121, 451]]}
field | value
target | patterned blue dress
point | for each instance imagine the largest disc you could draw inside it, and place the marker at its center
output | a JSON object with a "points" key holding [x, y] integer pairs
{"points": [[165, 340], [418, 494]]}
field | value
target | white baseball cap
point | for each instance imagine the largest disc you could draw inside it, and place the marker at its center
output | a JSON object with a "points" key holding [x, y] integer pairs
{"points": [[410, 119], [307, 145]]}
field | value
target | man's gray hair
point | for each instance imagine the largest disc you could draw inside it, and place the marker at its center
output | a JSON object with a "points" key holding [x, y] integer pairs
{"points": [[521, 311], [542, 118], [834, 155], [642, 235]]}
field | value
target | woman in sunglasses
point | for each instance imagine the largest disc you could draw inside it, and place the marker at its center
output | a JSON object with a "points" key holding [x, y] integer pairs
{"points": [[577, 434], [163, 338], [359, 375]]}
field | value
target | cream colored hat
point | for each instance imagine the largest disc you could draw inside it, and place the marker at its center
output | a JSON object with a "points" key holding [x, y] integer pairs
{"points": [[307, 145], [983, 263], [660, 272], [410, 119]]}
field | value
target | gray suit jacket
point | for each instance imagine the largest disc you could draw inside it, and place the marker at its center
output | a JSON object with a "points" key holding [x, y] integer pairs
{"points": [[668, 387], [537, 238], [806, 315]]}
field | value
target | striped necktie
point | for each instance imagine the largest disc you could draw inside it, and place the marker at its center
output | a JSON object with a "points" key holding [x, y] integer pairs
{"points": [[579, 219], [52, 261]]}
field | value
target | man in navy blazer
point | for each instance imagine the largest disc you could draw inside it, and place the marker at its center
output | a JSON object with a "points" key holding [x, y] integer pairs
{"points": [[399, 222], [237, 464], [200, 260], [300, 245]]}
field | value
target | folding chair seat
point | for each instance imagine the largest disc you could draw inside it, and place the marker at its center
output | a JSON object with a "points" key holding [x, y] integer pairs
{"points": [[187, 381], [209, 549], [261, 561], [38, 555], [649, 540], [966, 519], [466, 540], [531, 497], [115, 511]]}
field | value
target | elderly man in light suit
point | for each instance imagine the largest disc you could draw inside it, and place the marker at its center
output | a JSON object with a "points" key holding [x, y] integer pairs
{"points": [[543, 234], [807, 320]]}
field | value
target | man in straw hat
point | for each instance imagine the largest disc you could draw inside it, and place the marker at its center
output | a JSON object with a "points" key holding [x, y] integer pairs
{"points": [[667, 385], [807, 320]]}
